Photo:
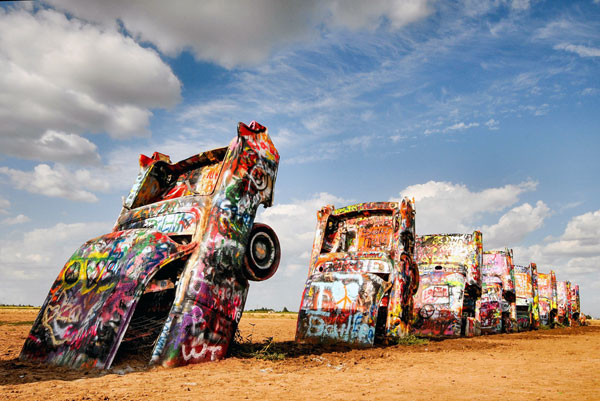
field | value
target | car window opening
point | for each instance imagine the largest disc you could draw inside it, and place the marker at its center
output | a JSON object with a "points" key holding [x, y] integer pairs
{"points": [[196, 175], [370, 230], [181, 239]]}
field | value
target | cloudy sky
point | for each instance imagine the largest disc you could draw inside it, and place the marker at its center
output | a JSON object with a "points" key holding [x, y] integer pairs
{"points": [[486, 112]]}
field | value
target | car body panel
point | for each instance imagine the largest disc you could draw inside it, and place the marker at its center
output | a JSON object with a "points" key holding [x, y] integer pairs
{"points": [[563, 290], [92, 300], [536, 297], [548, 298], [527, 299], [340, 307], [201, 210], [447, 302], [576, 315], [368, 248], [491, 307], [498, 298]]}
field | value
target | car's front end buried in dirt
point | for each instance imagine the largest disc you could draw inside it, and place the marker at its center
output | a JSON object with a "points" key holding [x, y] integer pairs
{"points": [[173, 276], [447, 302], [361, 276], [340, 307], [90, 304], [441, 308]]}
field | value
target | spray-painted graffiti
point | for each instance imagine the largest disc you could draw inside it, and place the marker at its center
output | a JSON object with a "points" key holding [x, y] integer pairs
{"points": [[563, 302], [491, 307], [342, 307], [577, 318], [548, 298], [173, 223], [89, 305], [498, 298], [536, 297], [361, 276], [447, 302], [526, 297], [176, 267]]}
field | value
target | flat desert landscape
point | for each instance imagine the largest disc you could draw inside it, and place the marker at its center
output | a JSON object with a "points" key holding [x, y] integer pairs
{"points": [[563, 363]]}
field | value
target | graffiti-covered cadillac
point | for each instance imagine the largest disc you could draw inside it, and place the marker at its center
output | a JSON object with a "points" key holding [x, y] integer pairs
{"points": [[498, 307], [527, 301], [361, 276], [575, 304], [577, 318], [548, 298], [563, 298], [172, 276], [448, 300]]}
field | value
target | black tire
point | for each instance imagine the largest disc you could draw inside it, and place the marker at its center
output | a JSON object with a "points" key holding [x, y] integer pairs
{"points": [[262, 253]]}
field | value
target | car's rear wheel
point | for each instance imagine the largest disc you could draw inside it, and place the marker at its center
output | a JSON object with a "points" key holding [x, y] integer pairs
{"points": [[262, 253]]}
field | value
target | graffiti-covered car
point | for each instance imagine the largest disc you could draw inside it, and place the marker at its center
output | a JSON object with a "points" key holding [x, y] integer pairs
{"points": [[577, 318], [548, 298], [498, 311], [563, 302], [527, 301], [448, 299], [361, 275], [172, 276]]}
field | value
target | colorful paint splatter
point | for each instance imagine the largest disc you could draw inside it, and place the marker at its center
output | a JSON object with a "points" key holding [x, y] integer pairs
{"points": [[361, 276], [498, 298], [448, 300], [548, 298], [527, 301], [577, 318], [563, 303], [173, 275]]}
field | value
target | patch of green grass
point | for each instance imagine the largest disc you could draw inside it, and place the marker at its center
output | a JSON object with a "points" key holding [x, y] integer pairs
{"points": [[267, 354], [246, 349], [411, 339], [544, 327]]}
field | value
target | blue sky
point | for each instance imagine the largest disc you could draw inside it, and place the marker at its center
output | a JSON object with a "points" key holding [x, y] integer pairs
{"points": [[486, 112]]}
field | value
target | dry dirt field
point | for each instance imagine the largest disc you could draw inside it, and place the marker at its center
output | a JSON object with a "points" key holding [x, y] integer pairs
{"points": [[548, 364]]}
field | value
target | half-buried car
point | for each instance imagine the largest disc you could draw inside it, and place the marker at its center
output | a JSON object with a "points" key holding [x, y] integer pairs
{"points": [[171, 279], [448, 300], [361, 277], [498, 298]]}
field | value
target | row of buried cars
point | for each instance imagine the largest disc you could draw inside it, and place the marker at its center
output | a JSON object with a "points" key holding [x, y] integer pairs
{"points": [[370, 282], [170, 281]]}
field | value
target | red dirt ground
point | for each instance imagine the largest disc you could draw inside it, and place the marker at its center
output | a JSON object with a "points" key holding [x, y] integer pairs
{"points": [[544, 365]]}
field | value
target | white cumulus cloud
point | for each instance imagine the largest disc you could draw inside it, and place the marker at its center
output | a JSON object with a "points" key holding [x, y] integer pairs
{"points": [[60, 146], [514, 225], [239, 32], [574, 256], [21, 218], [62, 77], [448, 207], [58, 182], [580, 238]]}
